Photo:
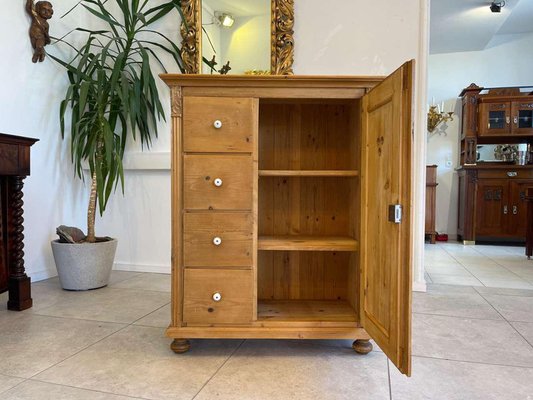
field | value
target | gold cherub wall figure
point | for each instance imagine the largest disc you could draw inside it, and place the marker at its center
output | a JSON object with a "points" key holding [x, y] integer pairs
{"points": [[39, 12]]}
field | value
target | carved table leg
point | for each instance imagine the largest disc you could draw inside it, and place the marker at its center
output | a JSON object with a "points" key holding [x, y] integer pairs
{"points": [[19, 282], [362, 346], [179, 346]]}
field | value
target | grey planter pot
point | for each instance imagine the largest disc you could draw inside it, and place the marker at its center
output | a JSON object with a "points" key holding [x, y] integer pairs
{"points": [[84, 266]]}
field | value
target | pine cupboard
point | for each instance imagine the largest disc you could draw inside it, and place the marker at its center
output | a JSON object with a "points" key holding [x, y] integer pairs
{"points": [[291, 209]]}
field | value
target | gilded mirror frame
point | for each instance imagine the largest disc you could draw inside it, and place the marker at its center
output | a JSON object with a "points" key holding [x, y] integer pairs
{"points": [[281, 36]]}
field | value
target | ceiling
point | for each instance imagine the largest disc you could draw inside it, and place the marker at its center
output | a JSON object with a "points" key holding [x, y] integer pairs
{"points": [[469, 25]]}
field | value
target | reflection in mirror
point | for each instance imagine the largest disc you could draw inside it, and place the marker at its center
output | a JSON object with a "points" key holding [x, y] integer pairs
{"points": [[238, 32]]}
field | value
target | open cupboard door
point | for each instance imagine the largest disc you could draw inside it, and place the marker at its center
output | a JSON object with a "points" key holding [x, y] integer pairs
{"points": [[385, 240]]}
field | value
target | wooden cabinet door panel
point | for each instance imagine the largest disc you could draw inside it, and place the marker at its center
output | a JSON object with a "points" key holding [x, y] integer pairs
{"points": [[518, 208], [522, 117], [492, 207], [494, 119], [385, 251]]}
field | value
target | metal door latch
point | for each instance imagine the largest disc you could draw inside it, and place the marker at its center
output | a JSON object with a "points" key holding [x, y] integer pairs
{"points": [[395, 213]]}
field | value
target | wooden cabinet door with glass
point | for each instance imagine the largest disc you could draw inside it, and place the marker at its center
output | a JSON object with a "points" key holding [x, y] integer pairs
{"points": [[501, 118], [522, 114], [495, 118], [291, 209]]}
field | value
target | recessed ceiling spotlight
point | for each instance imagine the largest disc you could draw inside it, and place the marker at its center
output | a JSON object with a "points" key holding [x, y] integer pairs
{"points": [[497, 7]]}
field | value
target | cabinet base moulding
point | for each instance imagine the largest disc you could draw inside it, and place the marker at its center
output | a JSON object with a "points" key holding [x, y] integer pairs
{"points": [[220, 332]]}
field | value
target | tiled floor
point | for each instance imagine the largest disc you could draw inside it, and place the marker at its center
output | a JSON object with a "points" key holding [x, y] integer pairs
{"points": [[480, 265], [470, 342]]}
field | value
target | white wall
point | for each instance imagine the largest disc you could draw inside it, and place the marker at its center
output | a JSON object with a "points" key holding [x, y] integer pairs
{"points": [[29, 100], [345, 37], [508, 62]]}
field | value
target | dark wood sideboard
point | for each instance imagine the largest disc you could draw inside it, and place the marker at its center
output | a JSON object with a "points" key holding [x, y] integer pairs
{"points": [[492, 204], [14, 167], [431, 202]]}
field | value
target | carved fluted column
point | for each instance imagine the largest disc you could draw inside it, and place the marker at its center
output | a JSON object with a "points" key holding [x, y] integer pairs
{"points": [[19, 282]]}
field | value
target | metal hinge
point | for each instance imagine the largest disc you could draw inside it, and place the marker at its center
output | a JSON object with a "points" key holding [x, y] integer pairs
{"points": [[395, 213]]}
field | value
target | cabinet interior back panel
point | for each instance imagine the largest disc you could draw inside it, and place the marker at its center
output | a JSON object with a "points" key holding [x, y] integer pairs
{"points": [[307, 136], [303, 275], [306, 206]]}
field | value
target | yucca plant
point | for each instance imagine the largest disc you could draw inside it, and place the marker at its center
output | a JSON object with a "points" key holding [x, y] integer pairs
{"points": [[112, 93]]}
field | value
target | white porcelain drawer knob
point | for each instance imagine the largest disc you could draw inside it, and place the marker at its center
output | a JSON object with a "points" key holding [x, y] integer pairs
{"points": [[217, 296], [217, 182], [217, 241], [217, 124]]}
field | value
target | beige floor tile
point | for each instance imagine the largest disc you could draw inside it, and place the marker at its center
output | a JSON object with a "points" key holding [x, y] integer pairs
{"points": [[438, 288], [137, 361], [451, 380], [448, 269], [156, 282], [523, 272], [506, 283], [345, 344], [116, 276], [492, 273], [525, 329], [160, 318], [468, 305], [31, 343], [7, 382], [288, 370], [455, 280], [106, 304], [520, 263], [513, 308], [33, 390], [504, 291], [480, 263], [476, 340]]}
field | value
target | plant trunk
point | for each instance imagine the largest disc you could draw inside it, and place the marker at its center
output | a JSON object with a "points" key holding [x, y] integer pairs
{"points": [[91, 212]]}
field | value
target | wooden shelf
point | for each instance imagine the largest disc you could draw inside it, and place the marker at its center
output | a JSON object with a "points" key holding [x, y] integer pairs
{"points": [[305, 310], [310, 173], [308, 243]]}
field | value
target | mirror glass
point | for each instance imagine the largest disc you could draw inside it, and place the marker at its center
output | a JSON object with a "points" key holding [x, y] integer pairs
{"points": [[237, 31]]}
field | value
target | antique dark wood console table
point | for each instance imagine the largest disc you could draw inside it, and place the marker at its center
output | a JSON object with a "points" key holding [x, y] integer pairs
{"points": [[14, 167]]}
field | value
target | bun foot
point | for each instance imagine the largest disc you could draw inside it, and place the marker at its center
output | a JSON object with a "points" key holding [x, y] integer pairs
{"points": [[179, 346], [362, 346]]}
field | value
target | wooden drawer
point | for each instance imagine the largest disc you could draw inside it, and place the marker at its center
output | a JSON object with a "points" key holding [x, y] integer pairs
{"points": [[237, 117], [235, 288], [200, 175], [217, 239], [512, 173]]}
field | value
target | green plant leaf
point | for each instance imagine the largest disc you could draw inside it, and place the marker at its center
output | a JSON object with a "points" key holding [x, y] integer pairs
{"points": [[106, 18], [112, 90]]}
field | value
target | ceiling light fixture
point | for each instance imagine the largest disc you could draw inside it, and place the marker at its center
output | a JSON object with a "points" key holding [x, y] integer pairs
{"points": [[497, 7], [226, 20]]}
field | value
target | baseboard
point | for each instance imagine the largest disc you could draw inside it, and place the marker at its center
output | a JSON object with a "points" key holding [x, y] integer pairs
{"points": [[42, 275], [420, 286], [157, 269]]}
